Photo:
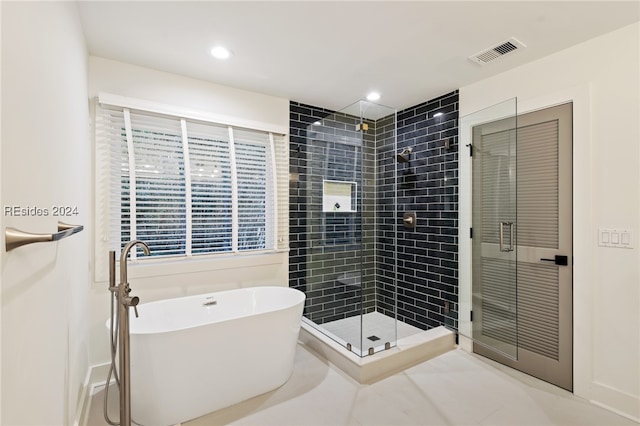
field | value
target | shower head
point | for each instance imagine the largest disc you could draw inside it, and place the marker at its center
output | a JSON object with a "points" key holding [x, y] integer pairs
{"points": [[403, 157]]}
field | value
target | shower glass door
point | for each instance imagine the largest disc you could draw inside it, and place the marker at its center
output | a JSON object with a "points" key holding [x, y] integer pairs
{"points": [[378, 324], [334, 235], [494, 245]]}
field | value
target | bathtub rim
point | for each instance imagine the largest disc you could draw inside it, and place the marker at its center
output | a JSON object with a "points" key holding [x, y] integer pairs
{"points": [[301, 296]]}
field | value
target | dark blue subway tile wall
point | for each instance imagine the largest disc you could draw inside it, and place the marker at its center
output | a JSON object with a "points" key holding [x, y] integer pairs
{"points": [[427, 255], [346, 263]]}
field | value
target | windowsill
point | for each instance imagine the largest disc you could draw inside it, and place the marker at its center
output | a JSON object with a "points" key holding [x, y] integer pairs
{"points": [[146, 268]]}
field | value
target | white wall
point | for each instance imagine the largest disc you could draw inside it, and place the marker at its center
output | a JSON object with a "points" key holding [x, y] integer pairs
{"points": [[195, 277], [132, 81], [46, 157], [602, 78]]}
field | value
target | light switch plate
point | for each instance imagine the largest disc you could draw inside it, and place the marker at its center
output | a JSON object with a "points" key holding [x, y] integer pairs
{"points": [[620, 238], [626, 238]]}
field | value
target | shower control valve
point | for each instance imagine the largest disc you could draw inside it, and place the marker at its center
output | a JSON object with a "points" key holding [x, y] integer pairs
{"points": [[409, 219]]}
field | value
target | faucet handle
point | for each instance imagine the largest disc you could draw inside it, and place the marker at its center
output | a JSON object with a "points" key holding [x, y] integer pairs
{"points": [[132, 301]]}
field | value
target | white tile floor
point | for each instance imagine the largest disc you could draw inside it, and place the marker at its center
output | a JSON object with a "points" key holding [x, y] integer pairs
{"points": [[456, 388]]}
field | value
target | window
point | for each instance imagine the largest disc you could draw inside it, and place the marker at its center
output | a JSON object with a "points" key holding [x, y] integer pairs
{"points": [[188, 187]]}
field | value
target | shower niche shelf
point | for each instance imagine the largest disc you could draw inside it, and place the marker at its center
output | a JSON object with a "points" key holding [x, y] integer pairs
{"points": [[339, 196]]}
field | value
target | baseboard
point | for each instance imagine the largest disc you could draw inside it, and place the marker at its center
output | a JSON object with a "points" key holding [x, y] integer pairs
{"points": [[619, 402], [465, 343], [96, 374], [82, 410]]}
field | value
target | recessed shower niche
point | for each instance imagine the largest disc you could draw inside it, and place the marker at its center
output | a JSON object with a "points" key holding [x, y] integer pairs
{"points": [[339, 196]]}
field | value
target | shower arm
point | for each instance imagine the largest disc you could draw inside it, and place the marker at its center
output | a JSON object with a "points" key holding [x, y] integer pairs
{"points": [[405, 155]]}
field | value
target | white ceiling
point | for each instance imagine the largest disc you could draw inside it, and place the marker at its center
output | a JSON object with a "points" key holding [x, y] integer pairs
{"points": [[332, 54]]}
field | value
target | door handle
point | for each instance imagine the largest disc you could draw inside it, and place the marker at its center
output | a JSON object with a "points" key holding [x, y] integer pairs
{"points": [[511, 237], [558, 260]]}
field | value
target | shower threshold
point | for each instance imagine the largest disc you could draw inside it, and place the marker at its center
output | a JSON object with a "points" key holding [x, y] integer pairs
{"points": [[409, 351]]}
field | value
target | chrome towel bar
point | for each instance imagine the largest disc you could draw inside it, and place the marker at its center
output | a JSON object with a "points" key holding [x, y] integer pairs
{"points": [[15, 238]]}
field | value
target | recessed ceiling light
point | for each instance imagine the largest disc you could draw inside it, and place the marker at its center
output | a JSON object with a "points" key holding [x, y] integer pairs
{"points": [[438, 114], [373, 96], [220, 52]]}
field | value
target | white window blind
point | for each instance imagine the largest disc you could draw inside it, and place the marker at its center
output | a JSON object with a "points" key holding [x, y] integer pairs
{"points": [[253, 162], [159, 207], [188, 187], [211, 188]]}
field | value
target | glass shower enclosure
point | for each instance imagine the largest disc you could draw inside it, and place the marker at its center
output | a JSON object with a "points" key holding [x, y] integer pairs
{"points": [[351, 218]]}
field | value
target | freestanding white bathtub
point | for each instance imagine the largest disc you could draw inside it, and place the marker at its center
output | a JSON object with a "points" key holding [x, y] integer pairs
{"points": [[197, 354]]}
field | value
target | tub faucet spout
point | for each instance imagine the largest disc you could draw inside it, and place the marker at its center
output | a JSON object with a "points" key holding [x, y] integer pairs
{"points": [[125, 253]]}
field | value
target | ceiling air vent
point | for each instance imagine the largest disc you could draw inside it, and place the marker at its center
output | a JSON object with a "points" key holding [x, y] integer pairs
{"points": [[497, 51]]}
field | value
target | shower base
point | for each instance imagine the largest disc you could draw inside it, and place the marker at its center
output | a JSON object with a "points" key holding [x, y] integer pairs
{"points": [[413, 347], [378, 329]]}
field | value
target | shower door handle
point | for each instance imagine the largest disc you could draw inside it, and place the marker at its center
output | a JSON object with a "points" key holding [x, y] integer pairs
{"points": [[511, 237]]}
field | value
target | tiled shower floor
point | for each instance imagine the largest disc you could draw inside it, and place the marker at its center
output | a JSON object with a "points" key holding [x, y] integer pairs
{"points": [[374, 325]]}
